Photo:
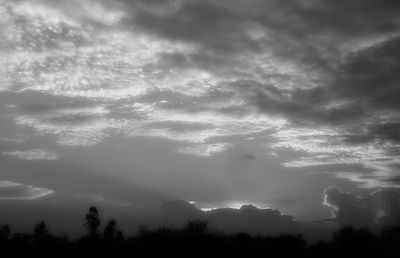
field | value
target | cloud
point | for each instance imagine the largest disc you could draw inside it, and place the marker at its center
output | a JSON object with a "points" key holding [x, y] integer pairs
{"points": [[379, 208], [387, 202], [16, 191], [204, 149], [179, 211], [71, 130], [248, 156], [349, 209], [103, 201], [124, 66], [11, 140], [201, 72], [364, 114], [33, 154], [74, 123], [246, 218]]}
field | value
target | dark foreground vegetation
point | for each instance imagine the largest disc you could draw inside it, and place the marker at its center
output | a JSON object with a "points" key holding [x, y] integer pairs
{"points": [[195, 239]]}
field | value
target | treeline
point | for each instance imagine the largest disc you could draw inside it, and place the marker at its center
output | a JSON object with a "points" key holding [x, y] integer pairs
{"points": [[195, 239]]}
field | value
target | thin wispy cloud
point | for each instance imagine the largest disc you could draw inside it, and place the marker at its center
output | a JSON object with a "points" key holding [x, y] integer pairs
{"points": [[33, 154], [204, 149], [11, 140], [15, 191]]}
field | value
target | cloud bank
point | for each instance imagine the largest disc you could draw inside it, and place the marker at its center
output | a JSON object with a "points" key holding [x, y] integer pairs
{"points": [[380, 208], [376, 210], [247, 218]]}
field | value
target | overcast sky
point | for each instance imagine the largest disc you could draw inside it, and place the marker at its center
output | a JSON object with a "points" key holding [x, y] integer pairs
{"points": [[130, 103]]}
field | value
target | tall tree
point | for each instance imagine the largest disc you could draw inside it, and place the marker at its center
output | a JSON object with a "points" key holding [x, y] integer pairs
{"points": [[92, 222], [41, 233], [110, 231]]}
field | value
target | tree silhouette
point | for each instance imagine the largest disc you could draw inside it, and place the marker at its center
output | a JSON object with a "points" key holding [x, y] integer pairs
{"points": [[110, 231], [41, 235], [92, 223], [194, 239], [5, 233], [40, 230], [120, 236], [196, 227]]}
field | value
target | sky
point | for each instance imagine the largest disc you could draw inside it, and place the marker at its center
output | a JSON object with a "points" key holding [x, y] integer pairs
{"points": [[202, 106]]}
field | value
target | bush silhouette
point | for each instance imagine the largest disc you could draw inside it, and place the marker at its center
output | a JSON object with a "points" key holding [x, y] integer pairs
{"points": [[196, 227]]}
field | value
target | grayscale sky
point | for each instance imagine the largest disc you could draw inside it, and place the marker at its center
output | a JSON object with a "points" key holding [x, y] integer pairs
{"points": [[128, 104]]}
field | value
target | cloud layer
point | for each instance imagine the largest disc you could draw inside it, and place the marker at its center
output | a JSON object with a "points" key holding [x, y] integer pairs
{"points": [[210, 75]]}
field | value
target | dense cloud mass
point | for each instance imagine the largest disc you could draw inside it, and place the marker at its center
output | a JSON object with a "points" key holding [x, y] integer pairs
{"points": [[379, 208], [247, 218]]}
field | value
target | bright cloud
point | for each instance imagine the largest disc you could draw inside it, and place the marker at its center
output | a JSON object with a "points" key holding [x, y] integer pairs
{"points": [[34, 154], [204, 149], [15, 191]]}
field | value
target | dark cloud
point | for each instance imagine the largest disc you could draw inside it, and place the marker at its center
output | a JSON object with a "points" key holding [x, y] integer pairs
{"points": [[349, 209], [300, 110], [190, 19], [387, 202], [74, 112], [44, 106], [179, 211], [386, 131], [368, 77], [181, 126], [248, 156], [379, 208], [222, 27], [366, 83], [74, 119], [246, 219]]}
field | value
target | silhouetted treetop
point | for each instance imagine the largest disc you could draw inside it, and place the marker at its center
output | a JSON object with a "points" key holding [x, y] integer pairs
{"points": [[110, 231], [92, 222], [5, 232]]}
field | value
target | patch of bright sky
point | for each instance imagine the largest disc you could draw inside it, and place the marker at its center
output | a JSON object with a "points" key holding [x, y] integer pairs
{"points": [[235, 205]]}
